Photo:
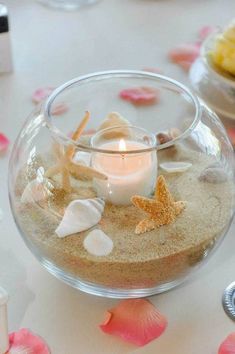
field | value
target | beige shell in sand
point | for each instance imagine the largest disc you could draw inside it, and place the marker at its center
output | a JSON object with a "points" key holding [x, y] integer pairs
{"points": [[114, 119], [36, 191], [98, 243], [175, 167]]}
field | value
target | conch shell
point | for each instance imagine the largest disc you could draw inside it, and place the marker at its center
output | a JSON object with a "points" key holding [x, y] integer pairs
{"points": [[80, 215]]}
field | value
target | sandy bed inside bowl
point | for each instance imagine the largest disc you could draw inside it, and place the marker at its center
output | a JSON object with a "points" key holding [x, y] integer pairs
{"points": [[146, 260]]}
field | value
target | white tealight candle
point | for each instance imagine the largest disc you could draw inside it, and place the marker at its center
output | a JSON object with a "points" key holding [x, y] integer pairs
{"points": [[128, 174], [4, 341]]}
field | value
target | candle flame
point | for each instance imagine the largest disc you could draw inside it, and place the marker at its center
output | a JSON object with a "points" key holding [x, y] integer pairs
{"points": [[122, 145]]}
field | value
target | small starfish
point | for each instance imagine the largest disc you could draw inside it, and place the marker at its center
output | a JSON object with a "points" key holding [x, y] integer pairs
{"points": [[66, 166], [162, 210]]}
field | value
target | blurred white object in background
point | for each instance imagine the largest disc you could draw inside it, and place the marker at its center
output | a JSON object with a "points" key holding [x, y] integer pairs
{"points": [[4, 342], [67, 5], [5, 46]]}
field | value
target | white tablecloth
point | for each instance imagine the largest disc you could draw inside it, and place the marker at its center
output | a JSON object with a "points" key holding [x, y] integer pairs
{"points": [[50, 47]]}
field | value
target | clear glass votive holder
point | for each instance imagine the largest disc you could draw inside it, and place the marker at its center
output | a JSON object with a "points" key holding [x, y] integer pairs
{"points": [[127, 160]]}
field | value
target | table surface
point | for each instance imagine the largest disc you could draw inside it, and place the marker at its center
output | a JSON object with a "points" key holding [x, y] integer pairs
{"points": [[49, 48]]}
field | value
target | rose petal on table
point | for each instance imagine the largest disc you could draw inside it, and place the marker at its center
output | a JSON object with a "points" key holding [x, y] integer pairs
{"points": [[228, 345], [25, 342], [135, 320], [184, 55], [140, 96], [205, 31], [4, 142], [59, 109], [41, 93], [185, 65]]}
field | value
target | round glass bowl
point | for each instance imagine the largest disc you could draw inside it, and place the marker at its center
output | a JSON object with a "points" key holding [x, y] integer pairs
{"points": [[129, 200], [215, 86]]}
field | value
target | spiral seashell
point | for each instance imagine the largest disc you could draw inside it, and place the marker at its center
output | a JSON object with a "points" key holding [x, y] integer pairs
{"points": [[80, 215]]}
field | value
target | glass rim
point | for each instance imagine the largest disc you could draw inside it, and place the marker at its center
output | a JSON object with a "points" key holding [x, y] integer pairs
{"points": [[46, 108], [128, 127]]}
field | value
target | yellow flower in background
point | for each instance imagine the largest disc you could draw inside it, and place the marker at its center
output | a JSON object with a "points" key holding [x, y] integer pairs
{"points": [[223, 54]]}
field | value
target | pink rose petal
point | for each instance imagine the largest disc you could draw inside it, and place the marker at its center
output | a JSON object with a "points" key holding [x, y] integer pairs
{"points": [[59, 109], [197, 44], [135, 320], [185, 65], [24, 339], [184, 55], [41, 93], [140, 96], [205, 31], [4, 142], [228, 345]]}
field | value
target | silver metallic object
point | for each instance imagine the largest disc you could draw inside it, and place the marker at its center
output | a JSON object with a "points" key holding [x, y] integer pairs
{"points": [[228, 301]]}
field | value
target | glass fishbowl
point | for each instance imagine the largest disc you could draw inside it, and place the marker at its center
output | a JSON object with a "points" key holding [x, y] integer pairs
{"points": [[128, 190]]}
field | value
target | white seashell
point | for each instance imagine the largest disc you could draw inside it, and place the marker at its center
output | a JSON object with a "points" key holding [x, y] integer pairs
{"points": [[82, 158], [33, 192], [80, 215], [175, 167], [114, 119], [98, 243]]}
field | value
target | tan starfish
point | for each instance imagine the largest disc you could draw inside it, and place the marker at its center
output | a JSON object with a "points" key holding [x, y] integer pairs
{"points": [[162, 209], [65, 164]]}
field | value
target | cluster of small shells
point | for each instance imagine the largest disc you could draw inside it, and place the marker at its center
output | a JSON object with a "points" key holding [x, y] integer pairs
{"points": [[165, 137]]}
